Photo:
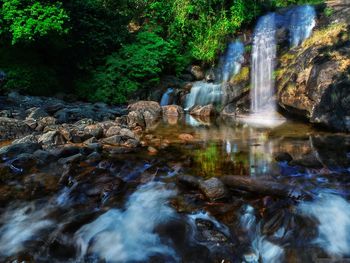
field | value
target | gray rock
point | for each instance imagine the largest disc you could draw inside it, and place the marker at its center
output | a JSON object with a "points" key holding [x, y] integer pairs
{"points": [[213, 188]]}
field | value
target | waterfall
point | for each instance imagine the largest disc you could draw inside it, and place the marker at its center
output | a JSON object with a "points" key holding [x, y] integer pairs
{"points": [[263, 64], [230, 63], [204, 93], [301, 22], [166, 97]]}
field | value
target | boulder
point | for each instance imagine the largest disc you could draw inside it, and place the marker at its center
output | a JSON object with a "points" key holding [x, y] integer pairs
{"points": [[213, 188], [172, 110], [94, 130], [24, 161], [114, 130], [12, 128], [19, 148], [197, 72], [207, 110], [51, 138], [313, 82], [36, 113], [144, 114]]}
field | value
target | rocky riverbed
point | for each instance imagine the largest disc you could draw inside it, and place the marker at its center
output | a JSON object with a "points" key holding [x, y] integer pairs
{"points": [[147, 183]]}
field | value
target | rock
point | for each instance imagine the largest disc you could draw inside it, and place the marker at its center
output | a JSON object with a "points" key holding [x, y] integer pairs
{"points": [[94, 157], [65, 151], [151, 150], [51, 138], [308, 161], [113, 140], [189, 181], [91, 140], [213, 188], [12, 128], [283, 157], [144, 113], [24, 161], [19, 148], [36, 113], [173, 110], [197, 72], [233, 93], [210, 75], [128, 133], [43, 157], [313, 82], [46, 121], [114, 130], [27, 139], [6, 114], [186, 137], [71, 159], [207, 110], [94, 130], [31, 123]]}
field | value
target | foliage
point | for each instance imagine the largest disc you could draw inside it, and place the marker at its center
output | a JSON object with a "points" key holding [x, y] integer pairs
{"points": [[106, 49], [29, 19], [135, 65]]}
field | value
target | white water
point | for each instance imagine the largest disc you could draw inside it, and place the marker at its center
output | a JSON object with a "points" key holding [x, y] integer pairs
{"points": [[263, 64], [301, 23], [231, 62], [166, 97], [333, 214], [262, 250], [128, 236], [204, 93], [21, 225]]}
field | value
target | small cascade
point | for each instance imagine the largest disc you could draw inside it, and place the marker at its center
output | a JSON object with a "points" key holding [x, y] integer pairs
{"points": [[204, 93], [166, 97], [230, 63], [301, 22], [263, 64]]}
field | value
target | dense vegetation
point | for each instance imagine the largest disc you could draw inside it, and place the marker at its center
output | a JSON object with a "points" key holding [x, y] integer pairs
{"points": [[104, 50]]}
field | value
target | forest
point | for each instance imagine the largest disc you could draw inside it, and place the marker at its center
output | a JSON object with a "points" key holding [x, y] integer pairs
{"points": [[101, 50]]}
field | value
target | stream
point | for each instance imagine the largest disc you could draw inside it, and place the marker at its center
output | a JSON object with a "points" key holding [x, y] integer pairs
{"points": [[130, 207]]}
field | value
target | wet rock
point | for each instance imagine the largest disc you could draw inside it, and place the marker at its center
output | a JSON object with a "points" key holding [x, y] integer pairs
{"points": [[197, 72], [94, 130], [41, 182], [113, 140], [308, 161], [152, 150], [31, 123], [36, 113], [173, 110], [283, 157], [43, 157], [128, 133], [51, 138], [16, 149], [12, 128], [94, 157], [71, 159], [207, 110], [213, 188], [189, 181], [144, 114], [27, 139], [6, 114], [44, 122], [24, 161], [91, 140], [114, 130], [186, 137], [65, 151]]}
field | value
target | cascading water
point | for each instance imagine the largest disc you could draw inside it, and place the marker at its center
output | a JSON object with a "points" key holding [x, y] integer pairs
{"points": [[203, 93], [231, 62], [166, 97], [301, 22], [263, 64]]}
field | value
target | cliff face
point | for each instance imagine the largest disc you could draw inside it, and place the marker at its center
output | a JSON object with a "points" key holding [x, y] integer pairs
{"points": [[313, 80]]}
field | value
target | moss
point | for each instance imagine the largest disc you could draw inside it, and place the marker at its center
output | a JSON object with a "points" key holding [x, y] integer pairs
{"points": [[242, 76]]}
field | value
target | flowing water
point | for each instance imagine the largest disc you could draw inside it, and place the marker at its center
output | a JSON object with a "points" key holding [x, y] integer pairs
{"points": [[204, 93], [130, 207], [166, 98]]}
